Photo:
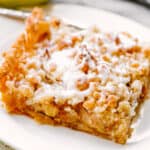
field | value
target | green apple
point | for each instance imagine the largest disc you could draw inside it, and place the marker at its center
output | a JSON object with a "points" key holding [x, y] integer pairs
{"points": [[15, 3]]}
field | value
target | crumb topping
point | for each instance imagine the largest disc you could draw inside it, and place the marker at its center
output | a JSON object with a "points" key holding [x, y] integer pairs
{"points": [[71, 68]]}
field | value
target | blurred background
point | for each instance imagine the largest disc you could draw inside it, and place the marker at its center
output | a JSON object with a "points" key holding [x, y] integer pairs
{"points": [[138, 10]]}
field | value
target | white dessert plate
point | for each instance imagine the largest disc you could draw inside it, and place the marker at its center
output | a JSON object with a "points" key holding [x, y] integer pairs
{"points": [[23, 133]]}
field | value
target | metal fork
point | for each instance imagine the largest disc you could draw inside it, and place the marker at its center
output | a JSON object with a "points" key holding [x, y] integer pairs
{"points": [[22, 15]]}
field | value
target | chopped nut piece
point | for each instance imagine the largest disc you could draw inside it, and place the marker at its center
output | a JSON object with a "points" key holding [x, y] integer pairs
{"points": [[85, 68], [106, 58], [82, 84], [135, 65], [89, 105]]}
